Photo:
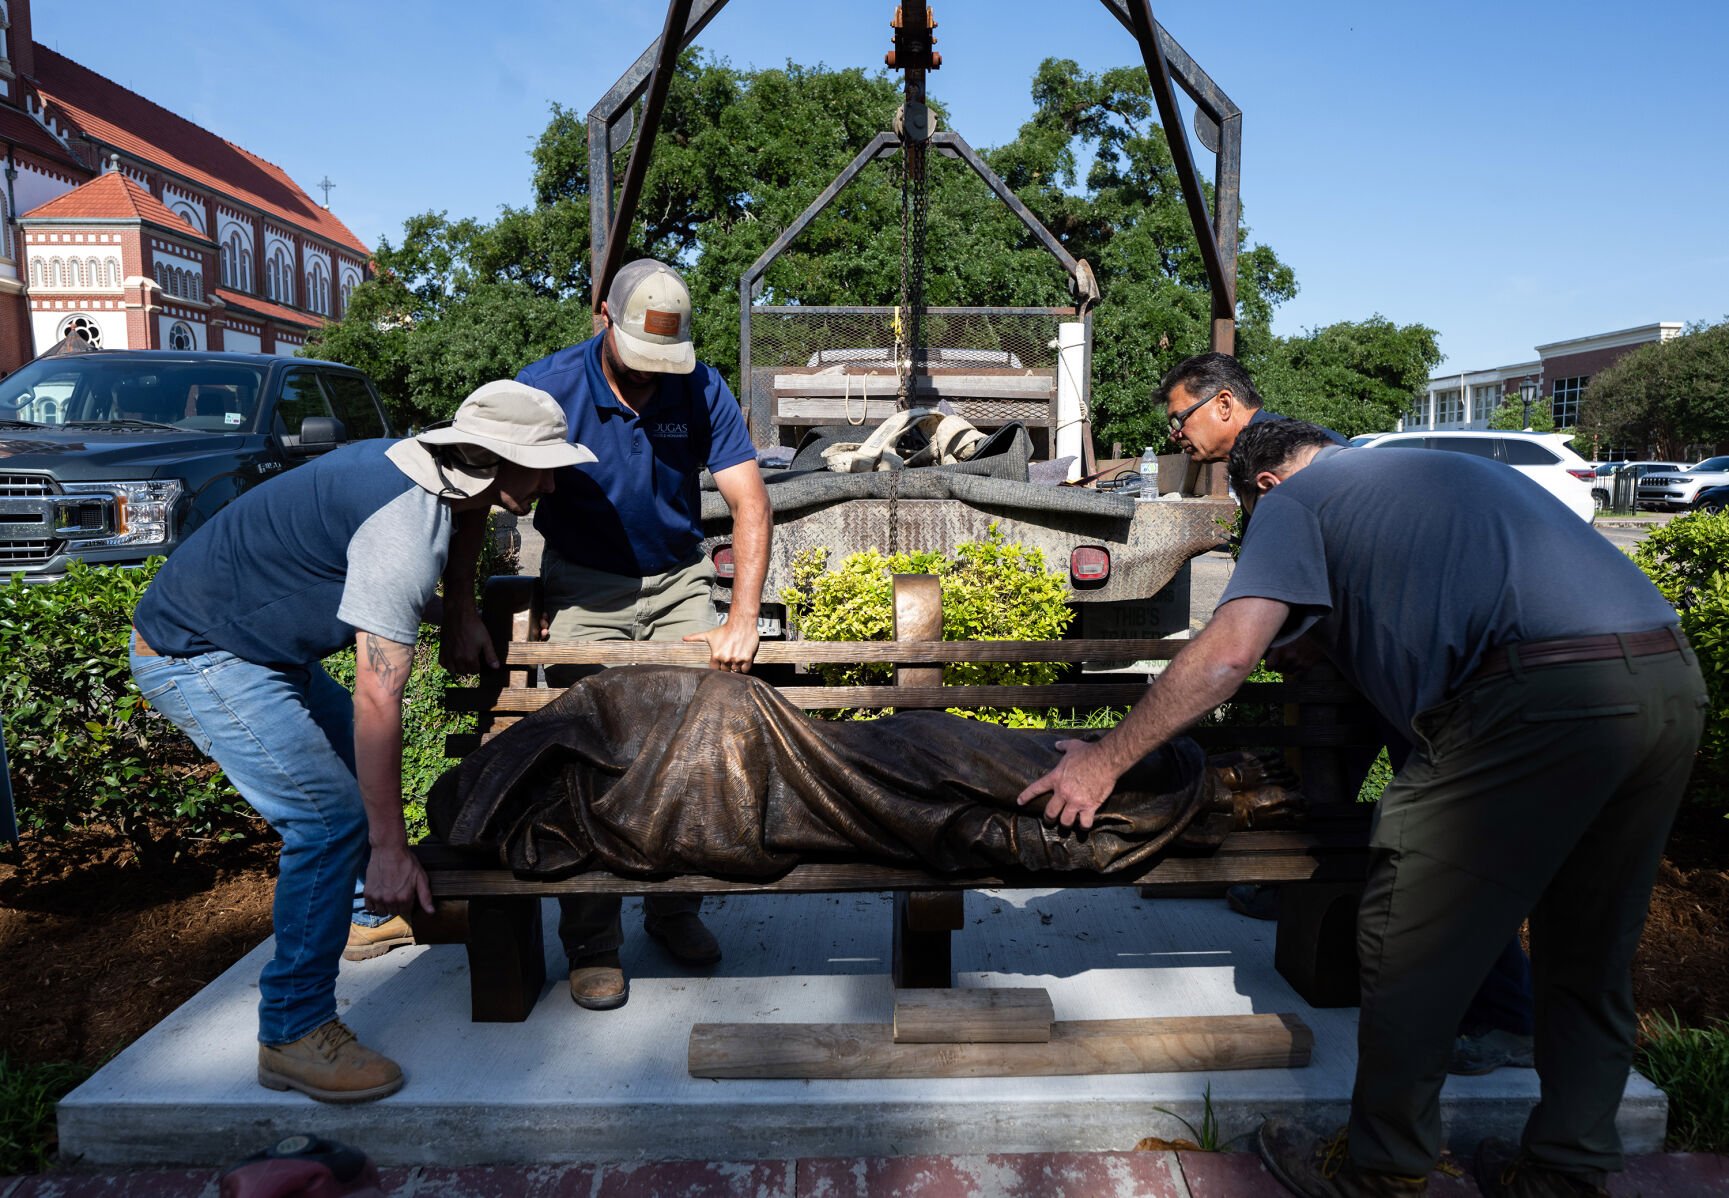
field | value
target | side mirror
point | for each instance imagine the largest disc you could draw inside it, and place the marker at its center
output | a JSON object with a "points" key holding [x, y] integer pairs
{"points": [[321, 433]]}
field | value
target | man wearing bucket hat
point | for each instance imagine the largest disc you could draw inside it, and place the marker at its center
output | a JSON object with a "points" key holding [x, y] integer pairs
{"points": [[227, 642], [623, 557]]}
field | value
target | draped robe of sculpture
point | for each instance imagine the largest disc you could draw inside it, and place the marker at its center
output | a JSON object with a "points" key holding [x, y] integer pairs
{"points": [[657, 770]]}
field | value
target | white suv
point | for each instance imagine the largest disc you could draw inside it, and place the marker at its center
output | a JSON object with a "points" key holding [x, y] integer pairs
{"points": [[1542, 457], [1680, 490]]}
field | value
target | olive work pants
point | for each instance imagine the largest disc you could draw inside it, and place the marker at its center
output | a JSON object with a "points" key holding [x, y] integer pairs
{"points": [[592, 605], [1546, 793]]}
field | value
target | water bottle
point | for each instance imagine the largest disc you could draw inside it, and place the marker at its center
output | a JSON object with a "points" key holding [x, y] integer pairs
{"points": [[1149, 473]]}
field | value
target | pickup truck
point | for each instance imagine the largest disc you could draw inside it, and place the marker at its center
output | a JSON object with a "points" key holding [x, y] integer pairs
{"points": [[115, 456]]}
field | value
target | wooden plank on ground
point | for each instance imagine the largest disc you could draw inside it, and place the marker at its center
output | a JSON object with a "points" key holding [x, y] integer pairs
{"points": [[1012, 1015], [1092, 1046]]}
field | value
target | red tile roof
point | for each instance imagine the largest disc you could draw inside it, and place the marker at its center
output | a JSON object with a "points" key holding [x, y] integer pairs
{"points": [[127, 121], [16, 128], [109, 197], [264, 309]]}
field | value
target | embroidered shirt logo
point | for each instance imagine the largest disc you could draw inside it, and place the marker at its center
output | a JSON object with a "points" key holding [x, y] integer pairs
{"points": [[669, 428]]}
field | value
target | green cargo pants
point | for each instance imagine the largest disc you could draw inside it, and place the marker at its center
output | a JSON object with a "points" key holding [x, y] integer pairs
{"points": [[1545, 792], [592, 605]]}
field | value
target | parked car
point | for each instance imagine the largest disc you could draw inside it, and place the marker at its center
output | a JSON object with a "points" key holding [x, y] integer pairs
{"points": [[1712, 499], [117, 455], [1545, 458], [1676, 491], [1602, 488]]}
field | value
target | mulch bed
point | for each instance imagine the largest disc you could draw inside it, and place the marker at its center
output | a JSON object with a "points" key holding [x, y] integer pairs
{"points": [[98, 949]]}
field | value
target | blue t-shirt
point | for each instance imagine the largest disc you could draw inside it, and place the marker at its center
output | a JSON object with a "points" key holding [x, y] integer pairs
{"points": [[287, 573], [1409, 566], [636, 510]]}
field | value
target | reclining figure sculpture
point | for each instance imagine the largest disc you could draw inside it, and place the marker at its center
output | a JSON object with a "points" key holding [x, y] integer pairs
{"points": [[658, 770]]}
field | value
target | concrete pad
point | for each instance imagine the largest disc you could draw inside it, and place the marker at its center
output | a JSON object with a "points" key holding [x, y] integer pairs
{"points": [[575, 1085]]}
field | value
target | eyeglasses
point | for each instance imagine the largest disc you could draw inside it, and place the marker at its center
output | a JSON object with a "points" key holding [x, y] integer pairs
{"points": [[1178, 419]]}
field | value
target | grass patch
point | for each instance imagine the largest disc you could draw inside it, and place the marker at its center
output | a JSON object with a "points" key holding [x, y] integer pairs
{"points": [[27, 1096], [1691, 1066]]}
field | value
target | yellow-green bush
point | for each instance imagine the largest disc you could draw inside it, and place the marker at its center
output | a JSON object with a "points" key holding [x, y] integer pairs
{"points": [[992, 590]]}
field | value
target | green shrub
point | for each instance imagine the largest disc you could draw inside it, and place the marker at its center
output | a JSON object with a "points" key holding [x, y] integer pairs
{"points": [[992, 590], [1691, 1066], [1688, 560], [27, 1097], [84, 747], [425, 724]]}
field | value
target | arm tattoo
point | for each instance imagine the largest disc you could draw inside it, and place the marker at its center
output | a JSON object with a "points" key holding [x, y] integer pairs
{"points": [[389, 662]]}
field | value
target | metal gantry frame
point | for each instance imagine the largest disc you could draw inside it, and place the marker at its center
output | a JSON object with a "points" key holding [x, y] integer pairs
{"points": [[1218, 123]]}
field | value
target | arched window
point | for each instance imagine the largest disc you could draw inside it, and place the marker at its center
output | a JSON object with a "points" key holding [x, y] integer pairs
{"points": [[114, 272], [36, 272], [227, 266], [197, 281], [87, 330], [283, 265], [270, 279], [55, 267], [347, 290], [87, 276], [244, 279], [180, 336], [189, 214]]}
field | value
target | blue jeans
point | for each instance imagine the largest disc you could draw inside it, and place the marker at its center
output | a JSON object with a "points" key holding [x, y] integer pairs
{"points": [[285, 738]]}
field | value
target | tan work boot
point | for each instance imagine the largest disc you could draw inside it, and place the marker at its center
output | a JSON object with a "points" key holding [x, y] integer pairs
{"points": [[597, 982], [1321, 1166], [328, 1064], [364, 943]]}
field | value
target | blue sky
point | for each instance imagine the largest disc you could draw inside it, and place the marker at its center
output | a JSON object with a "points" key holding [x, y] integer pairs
{"points": [[1509, 173]]}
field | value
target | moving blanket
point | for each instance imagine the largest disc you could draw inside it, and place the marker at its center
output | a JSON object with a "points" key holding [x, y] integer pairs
{"points": [[666, 769]]}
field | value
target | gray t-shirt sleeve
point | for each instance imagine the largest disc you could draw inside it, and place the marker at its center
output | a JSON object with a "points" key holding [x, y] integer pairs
{"points": [[1283, 559], [394, 562]]}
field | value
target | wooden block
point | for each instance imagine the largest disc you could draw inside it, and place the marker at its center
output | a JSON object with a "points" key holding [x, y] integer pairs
{"points": [[1011, 1016], [849, 1050]]}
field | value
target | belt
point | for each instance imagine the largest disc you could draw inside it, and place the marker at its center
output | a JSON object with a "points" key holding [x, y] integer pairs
{"points": [[140, 647], [1582, 648]]}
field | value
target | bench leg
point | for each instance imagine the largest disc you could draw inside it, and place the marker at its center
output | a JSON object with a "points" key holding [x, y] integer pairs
{"points": [[1316, 949], [924, 920], [506, 958]]}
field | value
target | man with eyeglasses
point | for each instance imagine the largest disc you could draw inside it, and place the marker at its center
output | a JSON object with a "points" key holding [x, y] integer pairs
{"points": [[1209, 399]]}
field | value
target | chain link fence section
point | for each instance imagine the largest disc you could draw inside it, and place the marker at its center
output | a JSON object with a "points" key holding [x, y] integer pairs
{"points": [[812, 366]]}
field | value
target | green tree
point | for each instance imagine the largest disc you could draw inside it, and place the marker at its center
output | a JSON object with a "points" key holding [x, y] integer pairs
{"points": [[1511, 415], [1352, 377], [1665, 397], [739, 156]]}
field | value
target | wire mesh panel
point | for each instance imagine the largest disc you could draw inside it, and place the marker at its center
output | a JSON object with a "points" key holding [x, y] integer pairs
{"points": [[812, 366]]}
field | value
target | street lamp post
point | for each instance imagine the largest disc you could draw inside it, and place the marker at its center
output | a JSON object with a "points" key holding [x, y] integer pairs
{"points": [[1527, 393]]}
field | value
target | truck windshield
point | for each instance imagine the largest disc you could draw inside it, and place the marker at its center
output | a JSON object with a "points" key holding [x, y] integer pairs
{"points": [[215, 397]]}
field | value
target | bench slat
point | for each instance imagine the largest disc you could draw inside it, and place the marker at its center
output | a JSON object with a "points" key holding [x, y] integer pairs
{"points": [[676, 653]]}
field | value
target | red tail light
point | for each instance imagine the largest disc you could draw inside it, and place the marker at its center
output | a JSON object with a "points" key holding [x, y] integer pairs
{"points": [[1089, 565], [722, 558], [1586, 475]]}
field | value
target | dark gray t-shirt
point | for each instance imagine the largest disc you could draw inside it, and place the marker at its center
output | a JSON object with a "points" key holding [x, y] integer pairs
{"points": [[1409, 565]]}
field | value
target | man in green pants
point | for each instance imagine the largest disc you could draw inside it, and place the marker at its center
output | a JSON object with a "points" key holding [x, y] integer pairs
{"points": [[1554, 733]]}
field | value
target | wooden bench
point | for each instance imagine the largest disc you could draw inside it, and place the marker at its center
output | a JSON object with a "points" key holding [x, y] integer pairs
{"points": [[1317, 721]]}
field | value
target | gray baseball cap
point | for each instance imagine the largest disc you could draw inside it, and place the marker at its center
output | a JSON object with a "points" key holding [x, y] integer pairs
{"points": [[650, 309]]}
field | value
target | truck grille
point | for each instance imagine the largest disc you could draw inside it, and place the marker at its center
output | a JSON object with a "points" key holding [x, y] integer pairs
{"points": [[15, 550]]}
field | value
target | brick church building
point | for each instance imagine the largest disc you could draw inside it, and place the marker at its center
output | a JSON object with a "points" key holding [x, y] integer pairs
{"points": [[133, 228]]}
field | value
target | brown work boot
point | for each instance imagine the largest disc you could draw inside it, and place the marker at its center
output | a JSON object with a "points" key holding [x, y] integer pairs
{"points": [[328, 1064], [1321, 1167], [684, 936], [1504, 1171], [597, 982], [365, 943]]}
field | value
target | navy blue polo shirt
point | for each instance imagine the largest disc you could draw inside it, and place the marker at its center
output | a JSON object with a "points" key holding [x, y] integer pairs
{"points": [[636, 509]]}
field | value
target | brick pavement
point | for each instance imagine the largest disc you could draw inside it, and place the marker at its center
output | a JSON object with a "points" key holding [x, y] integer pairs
{"points": [[1031, 1175]]}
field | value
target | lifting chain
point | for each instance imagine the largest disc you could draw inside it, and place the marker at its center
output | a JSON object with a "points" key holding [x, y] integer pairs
{"points": [[909, 319]]}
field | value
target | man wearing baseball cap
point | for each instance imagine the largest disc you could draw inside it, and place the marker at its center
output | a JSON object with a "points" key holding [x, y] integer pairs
{"points": [[227, 642], [623, 558]]}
